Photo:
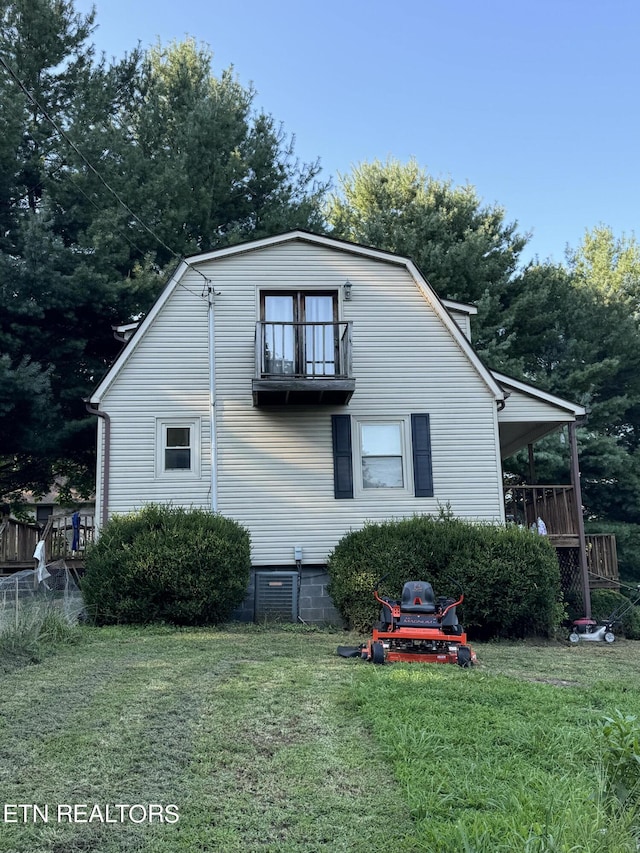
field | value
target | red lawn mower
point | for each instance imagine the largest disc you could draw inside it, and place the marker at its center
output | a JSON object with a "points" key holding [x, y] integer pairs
{"points": [[418, 628]]}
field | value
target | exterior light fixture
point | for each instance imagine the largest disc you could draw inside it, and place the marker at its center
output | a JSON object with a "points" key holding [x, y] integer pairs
{"points": [[347, 290]]}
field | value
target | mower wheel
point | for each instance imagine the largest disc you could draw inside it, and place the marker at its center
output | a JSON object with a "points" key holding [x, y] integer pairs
{"points": [[610, 637], [377, 653], [574, 637], [464, 656]]}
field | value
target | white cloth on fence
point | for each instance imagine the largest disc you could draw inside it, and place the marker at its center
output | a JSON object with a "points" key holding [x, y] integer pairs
{"points": [[41, 568]]}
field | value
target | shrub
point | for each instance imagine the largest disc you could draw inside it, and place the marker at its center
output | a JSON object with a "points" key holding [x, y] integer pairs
{"points": [[605, 601], [167, 564], [510, 577]]}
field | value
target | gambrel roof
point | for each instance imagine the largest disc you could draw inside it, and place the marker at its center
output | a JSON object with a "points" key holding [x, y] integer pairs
{"points": [[439, 306]]}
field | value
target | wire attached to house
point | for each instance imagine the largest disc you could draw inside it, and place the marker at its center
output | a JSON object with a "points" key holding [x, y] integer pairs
{"points": [[63, 135]]}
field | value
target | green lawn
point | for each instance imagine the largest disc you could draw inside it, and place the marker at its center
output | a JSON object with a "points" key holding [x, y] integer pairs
{"points": [[265, 740]]}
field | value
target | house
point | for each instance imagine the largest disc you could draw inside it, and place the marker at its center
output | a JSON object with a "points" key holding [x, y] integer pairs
{"points": [[304, 386]]}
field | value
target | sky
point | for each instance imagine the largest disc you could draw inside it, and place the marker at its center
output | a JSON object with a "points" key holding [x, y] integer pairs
{"points": [[533, 102]]}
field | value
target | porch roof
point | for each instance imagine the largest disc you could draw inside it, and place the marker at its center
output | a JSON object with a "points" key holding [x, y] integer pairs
{"points": [[530, 413]]}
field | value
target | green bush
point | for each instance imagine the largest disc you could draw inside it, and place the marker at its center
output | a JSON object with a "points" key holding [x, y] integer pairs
{"points": [[605, 601], [167, 564], [510, 577]]}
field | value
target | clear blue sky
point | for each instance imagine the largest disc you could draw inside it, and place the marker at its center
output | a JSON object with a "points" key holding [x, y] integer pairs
{"points": [[534, 102]]}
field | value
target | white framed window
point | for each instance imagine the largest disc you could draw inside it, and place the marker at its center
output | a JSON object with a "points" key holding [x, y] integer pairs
{"points": [[381, 450], [178, 447]]}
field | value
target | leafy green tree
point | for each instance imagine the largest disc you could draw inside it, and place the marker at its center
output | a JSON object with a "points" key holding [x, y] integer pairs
{"points": [[568, 334], [465, 249], [610, 265], [196, 165]]}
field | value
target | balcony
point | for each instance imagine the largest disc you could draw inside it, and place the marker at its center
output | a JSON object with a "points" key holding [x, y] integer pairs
{"points": [[303, 364], [557, 507]]}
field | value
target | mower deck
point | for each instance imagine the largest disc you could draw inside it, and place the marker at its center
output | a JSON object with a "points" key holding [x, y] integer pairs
{"points": [[426, 645]]}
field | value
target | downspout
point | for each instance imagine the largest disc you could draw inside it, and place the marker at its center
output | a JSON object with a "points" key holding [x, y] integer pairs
{"points": [[106, 464], [212, 397]]}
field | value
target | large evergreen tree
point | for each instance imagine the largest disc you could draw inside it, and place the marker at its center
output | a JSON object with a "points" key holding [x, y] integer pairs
{"points": [[108, 174]]}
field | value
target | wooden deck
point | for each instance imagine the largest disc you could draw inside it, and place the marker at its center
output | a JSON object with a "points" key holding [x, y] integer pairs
{"points": [[19, 539], [557, 507], [602, 561], [17, 544]]}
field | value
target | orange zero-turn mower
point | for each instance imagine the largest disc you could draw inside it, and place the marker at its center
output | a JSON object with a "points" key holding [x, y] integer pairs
{"points": [[419, 628]]}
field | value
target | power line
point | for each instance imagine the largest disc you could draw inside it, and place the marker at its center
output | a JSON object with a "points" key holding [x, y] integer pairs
{"points": [[90, 166], [136, 247]]}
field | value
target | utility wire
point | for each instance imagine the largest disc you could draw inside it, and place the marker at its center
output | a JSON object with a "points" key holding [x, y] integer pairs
{"points": [[133, 245], [90, 166]]}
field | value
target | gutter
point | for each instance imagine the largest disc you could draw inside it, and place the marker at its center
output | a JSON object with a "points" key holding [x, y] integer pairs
{"points": [[104, 509]]}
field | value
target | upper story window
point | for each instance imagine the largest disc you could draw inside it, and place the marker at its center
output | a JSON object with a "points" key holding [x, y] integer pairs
{"points": [[301, 333]]}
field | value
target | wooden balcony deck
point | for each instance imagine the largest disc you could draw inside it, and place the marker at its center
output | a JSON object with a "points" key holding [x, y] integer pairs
{"points": [[556, 506], [303, 363]]}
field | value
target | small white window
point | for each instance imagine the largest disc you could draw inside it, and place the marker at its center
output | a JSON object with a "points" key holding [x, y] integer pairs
{"points": [[382, 452], [178, 448]]}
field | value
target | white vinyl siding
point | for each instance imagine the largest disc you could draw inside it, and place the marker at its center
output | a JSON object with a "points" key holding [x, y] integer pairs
{"points": [[166, 379], [275, 466], [520, 406]]}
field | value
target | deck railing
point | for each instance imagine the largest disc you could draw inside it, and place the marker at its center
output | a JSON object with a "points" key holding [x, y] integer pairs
{"points": [[17, 541], [602, 560], [555, 505], [67, 537], [303, 350]]}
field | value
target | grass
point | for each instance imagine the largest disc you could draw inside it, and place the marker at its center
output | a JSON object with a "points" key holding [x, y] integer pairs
{"points": [[265, 740]]}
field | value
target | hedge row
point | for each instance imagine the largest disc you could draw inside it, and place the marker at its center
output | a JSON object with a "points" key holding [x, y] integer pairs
{"points": [[510, 577], [167, 564]]}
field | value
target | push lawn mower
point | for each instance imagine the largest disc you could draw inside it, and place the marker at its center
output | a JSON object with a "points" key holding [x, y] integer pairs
{"points": [[591, 631], [419, 628]]}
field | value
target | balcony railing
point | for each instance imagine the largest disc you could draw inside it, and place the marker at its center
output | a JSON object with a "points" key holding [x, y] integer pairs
{"points": [[303, 363], [555, 505]]}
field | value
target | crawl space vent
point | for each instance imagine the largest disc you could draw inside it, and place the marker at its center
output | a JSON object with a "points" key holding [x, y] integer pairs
{"points": [[276, 596]]}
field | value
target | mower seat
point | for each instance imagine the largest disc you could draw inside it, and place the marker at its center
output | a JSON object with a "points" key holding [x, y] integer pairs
{"points": [[417, 597]]}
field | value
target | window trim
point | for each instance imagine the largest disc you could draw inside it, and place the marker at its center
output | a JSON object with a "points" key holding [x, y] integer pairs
{"points": [[404, 422], [162, 425]]}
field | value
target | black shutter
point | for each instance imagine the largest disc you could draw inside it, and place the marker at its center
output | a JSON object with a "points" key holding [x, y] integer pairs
{"points": [[342, 457], [422, 468]]}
